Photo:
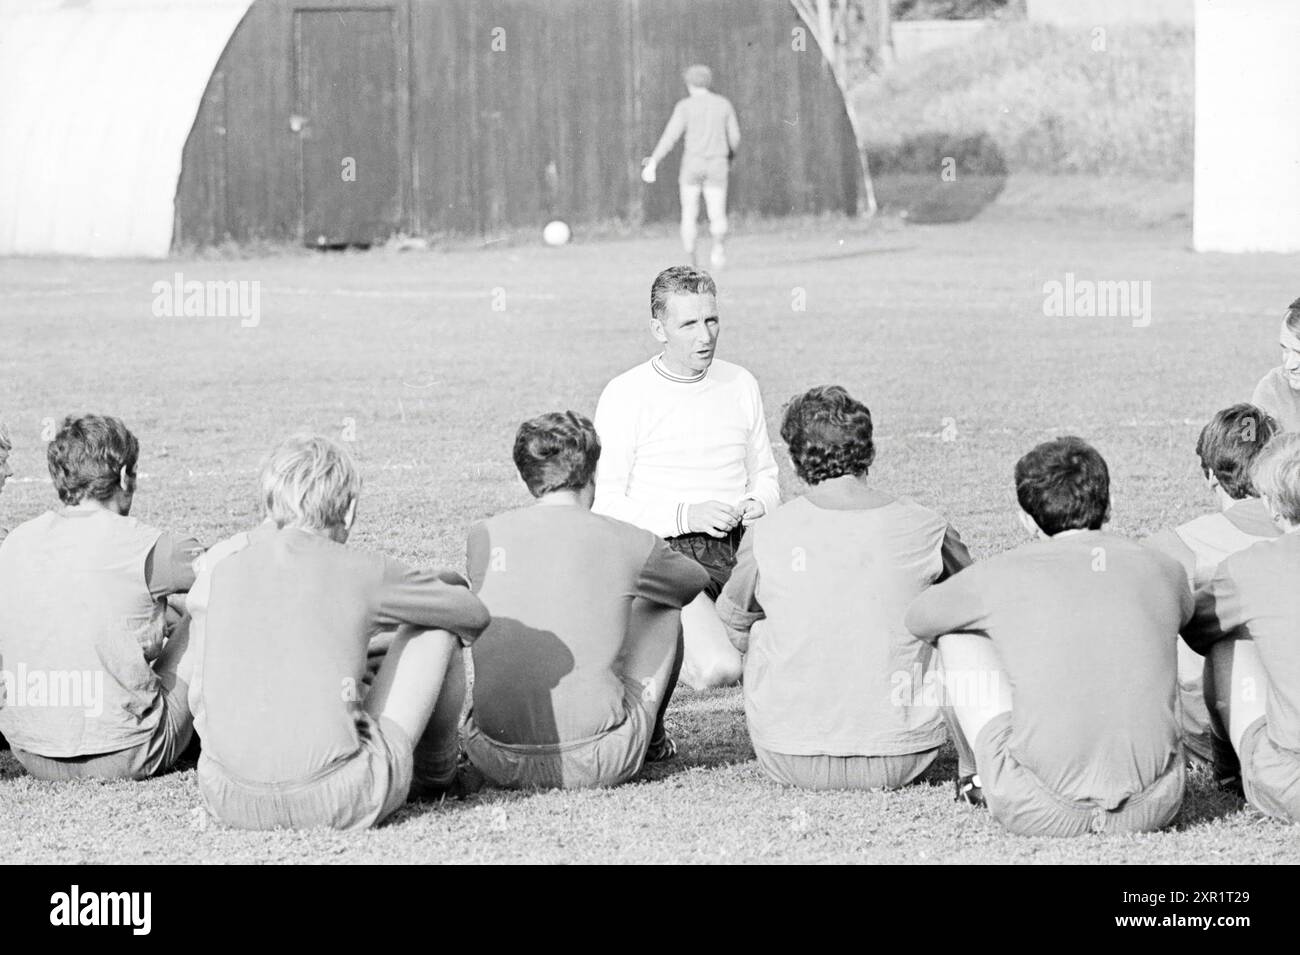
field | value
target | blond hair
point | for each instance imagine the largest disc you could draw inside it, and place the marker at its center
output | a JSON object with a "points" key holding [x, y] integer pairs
{"points": [[698, 75], [1276, 475], [309, 481]]}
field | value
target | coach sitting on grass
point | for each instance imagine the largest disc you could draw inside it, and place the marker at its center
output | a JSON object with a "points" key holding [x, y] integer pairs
{"points": [[1083, 624], [574, 673], [1247, 623], [686, 456], [281, 619], [94, 671], [1227, 448], [825, 644]]}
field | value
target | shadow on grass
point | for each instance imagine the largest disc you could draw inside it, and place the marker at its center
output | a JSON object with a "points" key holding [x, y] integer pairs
{"points": [[1204, 802], [852, 254], [9, 767]]}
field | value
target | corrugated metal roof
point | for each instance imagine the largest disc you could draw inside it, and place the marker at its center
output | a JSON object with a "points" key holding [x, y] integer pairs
{"points": [[97, 98]]}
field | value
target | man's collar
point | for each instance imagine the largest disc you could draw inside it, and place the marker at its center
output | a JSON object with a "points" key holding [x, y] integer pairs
{"points": [[657, 364]]}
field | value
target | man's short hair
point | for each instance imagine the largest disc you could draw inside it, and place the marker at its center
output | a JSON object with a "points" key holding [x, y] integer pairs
{"points": [[556, 451], [6, 443], [1229, 444], [1292, 317], [828, 434], [309, 481], [1276, 474], [698, 75], [678, 280], [88, 455], [1064, 485]]}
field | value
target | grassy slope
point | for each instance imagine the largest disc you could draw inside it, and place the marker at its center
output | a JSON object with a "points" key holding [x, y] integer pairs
{"points": [[1051, 102], [924, 324]]}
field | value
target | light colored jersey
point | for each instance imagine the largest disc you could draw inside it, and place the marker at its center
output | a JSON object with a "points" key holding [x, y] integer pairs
{"points": [[709, 124], [1274, 395], [830, 668], [1085, 624], [76, 620], [1200, 546], [281, 623], [669, 442], [1254, 596]]}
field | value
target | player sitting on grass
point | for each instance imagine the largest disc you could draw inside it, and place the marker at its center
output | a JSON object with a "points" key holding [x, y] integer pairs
{"points": [[816, 603], [1278, 392], [1227, 448], [574, 673], [94, 681], [1247, 623], [282, 616], [1083, 624], [687, 456]]}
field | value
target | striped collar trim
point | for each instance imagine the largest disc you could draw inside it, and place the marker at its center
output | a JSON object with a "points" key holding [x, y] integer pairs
{"points": [[658, 366]]}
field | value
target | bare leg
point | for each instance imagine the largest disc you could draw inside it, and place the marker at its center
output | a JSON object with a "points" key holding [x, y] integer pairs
{"points": [[690, 196], [438, 750], [1236, 689], [174, 665], [710, 660], [411, 678], [976, 685], [652, 631], [715, 203]]}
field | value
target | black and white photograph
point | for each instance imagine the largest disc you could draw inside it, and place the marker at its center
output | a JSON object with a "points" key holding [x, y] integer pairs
{"points": [[650, 432]]}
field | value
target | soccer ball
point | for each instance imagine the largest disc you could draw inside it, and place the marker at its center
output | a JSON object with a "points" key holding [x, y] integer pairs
{"points": [[556, 233]]}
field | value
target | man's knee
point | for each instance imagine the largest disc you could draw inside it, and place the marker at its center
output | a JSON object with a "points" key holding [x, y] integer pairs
{"points": [[719, 672]]}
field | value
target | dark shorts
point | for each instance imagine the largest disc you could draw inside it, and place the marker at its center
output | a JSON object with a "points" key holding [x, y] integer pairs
{"points": [[353, 793], [717, 555], [1270, 775], [610, 758], [1024, 805], [845, 772]]}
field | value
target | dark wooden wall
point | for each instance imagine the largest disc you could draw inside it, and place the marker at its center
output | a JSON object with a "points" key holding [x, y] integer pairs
{"points": [[452, 136]]}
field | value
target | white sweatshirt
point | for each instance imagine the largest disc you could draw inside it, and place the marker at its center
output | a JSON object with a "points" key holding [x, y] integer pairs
{"points": [[668, 442]]}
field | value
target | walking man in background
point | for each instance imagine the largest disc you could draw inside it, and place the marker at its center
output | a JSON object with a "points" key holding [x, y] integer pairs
{"points": [[712, 135]]}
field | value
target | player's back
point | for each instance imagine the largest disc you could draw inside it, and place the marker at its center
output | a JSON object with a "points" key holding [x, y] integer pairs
{"points": [[831, 668], [707, 117], [1086, 624], [285, 633], [559, 582]]}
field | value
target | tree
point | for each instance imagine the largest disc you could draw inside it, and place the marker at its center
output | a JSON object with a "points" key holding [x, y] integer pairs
{"points": [[842, 28]]}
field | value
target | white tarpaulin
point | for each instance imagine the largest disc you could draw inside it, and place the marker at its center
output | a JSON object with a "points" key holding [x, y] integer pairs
{"points": [[97, 98], [1247, 174]]}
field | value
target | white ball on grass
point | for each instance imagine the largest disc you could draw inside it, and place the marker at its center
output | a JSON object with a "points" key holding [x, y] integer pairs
{"points": [[556, 233]]}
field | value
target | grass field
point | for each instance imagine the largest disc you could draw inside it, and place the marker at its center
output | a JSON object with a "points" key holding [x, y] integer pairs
{"points": [[941, 330]]}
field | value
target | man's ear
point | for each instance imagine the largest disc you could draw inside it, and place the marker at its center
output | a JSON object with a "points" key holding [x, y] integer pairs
{"points": [[1273, 512], [1029, 524], [657, 330], [126, 480], [350, 515]]}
